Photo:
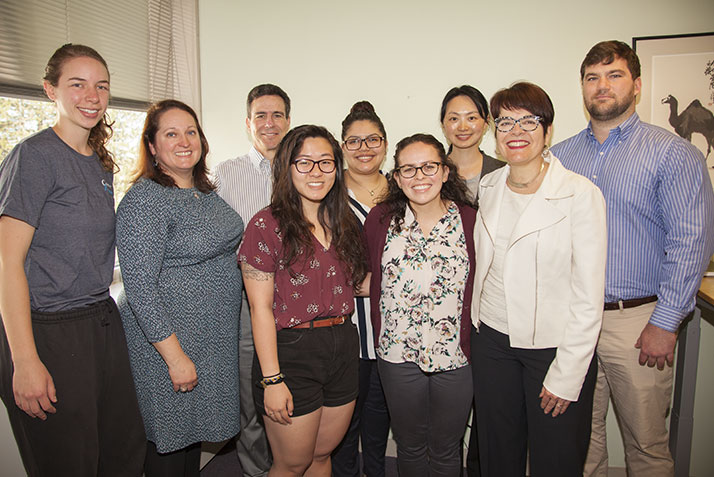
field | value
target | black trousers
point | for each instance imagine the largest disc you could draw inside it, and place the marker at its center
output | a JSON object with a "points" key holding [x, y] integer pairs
{"points": [[97, 430], [507, 382], [184, 462]]}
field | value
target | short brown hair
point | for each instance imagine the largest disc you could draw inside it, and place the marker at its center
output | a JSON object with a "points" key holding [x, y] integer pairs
{"points": [[608, 51], [268, 89], [524, 95]]}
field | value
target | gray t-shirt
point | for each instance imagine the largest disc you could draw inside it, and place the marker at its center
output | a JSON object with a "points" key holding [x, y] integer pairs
{"points": [[68, 198]]}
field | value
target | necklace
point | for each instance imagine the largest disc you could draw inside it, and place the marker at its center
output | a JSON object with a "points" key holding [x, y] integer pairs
{"points": [[523, 185], [371, 192]]}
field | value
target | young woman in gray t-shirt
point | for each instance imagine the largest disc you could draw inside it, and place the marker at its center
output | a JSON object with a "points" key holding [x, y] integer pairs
{"points": [[64, 368]]}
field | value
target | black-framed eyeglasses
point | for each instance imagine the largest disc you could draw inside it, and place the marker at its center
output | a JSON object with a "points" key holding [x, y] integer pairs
{"points": [[354, 143], [528, 123], [305, 166], [428, 169]]}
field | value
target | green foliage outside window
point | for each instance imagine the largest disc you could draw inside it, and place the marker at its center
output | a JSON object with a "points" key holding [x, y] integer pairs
{"points": [[20, 118]]}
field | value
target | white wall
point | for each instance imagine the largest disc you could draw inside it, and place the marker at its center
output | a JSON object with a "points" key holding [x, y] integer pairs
{"points": [[329, 54], [317, 51], [404, 55]]}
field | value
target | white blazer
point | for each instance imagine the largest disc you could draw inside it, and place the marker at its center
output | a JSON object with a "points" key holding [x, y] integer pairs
{"points": [[553, 270]]}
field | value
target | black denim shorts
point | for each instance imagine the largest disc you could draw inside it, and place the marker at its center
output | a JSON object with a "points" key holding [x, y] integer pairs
{"points": [[321, 367]]}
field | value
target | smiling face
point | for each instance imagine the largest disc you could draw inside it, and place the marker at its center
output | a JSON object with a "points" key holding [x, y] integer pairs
{"points": [[81, 93], [519, 147], [177, 145], [268, 123], [364, 161], [421, 190], [463, 126], [609, 91], [313, 186]]}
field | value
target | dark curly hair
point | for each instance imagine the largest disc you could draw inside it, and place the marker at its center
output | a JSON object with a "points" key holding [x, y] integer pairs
{"points": [[147, 167], [334, 213], [396, 201], [102, 131], [362, 111]]}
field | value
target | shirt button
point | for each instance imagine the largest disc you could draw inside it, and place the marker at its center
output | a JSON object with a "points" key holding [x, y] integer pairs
{"points": [[602, 153], [594, 176]]}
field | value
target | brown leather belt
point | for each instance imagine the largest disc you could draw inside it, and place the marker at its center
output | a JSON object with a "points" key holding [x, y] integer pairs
{"points": [[622, 304], [321, 322]]}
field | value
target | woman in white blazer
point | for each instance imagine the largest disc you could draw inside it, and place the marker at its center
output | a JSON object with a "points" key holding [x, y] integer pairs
{"points": [[538, 297]]}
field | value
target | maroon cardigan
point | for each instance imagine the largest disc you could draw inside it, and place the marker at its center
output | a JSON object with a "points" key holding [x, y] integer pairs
{"points": [[375, 229]]}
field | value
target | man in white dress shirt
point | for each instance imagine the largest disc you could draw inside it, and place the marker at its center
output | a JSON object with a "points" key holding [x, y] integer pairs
{"points": [[245, 183]]}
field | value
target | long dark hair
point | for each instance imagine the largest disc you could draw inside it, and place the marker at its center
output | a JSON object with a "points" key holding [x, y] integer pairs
{"points": [[453, 189], [102, 131], [147, 167], [334, 213]]}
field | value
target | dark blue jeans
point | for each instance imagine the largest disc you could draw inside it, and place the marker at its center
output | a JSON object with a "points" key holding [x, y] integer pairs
{"points": [[370, 422]]}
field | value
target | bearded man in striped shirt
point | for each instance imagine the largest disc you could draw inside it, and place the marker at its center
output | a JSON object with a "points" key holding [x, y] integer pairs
{"points": [[660, 214]]}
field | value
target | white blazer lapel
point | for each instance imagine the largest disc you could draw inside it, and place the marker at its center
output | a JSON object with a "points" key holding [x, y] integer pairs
{"points": [[490, 199]]}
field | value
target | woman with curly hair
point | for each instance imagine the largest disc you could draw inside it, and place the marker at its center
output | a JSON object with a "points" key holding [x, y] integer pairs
{"points": [[64, 366], [421, 249], [302, 259]]}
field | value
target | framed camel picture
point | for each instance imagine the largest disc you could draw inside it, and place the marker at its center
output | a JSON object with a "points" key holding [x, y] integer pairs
{"points": [[678, 87]]}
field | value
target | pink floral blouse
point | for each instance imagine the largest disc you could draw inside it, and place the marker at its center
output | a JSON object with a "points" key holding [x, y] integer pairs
{"points": [[318, 287]]}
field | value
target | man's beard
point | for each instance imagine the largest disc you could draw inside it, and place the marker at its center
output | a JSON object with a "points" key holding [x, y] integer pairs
{"points": [[607, 112]]}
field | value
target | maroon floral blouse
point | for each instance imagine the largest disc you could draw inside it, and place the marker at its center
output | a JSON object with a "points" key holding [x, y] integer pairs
{"points": [[319, 286]]}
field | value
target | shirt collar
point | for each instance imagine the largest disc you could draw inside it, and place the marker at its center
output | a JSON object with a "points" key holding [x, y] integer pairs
{"points": [[409, 217], [623, 130], [256, 158]]}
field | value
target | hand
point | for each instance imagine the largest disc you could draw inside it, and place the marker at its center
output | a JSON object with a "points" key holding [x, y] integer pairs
{"points": [[656, 346], [34, 389], [278, 403], [550, 402], [183, 374]]}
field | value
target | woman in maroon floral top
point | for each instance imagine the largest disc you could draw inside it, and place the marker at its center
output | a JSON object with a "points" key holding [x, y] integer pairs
{"points": [[300, 258]]}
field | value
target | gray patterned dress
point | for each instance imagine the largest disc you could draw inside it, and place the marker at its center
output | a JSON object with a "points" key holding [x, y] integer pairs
{"points": [[177, 251]]}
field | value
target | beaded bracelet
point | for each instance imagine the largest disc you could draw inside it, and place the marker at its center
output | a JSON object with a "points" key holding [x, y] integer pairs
{"points": [[269, 381]]}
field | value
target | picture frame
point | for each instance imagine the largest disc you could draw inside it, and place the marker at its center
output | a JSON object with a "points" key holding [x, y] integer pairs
{"points": [[677, 93], [677, 76]]}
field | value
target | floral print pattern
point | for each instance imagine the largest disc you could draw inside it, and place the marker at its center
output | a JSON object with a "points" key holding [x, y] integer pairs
{"points": [[423, 282], [302, 293]]}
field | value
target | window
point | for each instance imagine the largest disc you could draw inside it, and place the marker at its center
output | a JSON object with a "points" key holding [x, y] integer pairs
{"points": [[20, 118], [151, 48]]}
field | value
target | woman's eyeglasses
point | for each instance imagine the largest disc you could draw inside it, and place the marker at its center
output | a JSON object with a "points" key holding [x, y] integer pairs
{"points": [[428, 169], [528, 123], [305, 166], [354, 143]]}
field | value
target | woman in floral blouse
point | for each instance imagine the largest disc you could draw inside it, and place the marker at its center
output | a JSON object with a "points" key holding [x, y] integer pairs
{"points": [[421, 250], [300, 258]]}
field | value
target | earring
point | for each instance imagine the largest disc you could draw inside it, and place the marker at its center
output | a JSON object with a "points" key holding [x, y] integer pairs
{"points": [[546, 152]]}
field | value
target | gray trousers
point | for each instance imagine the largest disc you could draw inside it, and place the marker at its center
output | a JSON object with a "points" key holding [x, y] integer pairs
{"points": [[252, 443], [429, 413]]}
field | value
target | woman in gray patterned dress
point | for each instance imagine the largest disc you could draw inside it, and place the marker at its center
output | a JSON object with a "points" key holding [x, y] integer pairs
{"points": [[177, 240]]}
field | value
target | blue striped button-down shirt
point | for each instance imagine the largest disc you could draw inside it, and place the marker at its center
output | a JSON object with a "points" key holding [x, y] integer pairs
{"points": [[660, 213]]}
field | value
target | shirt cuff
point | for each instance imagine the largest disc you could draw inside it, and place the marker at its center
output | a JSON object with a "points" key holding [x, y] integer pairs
{"points": [[667, 317]]}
